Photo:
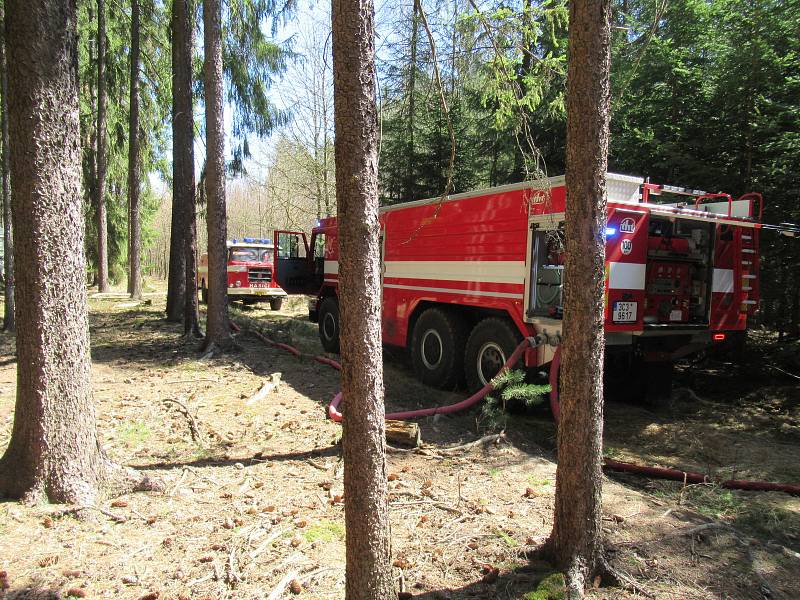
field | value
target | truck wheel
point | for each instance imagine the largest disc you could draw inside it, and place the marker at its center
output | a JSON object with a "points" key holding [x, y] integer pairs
{"points": [[329, 324], [203, 293], [276, 303], [488, 348], [437, 348]]}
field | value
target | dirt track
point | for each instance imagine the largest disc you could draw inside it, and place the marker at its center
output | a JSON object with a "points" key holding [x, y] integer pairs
{"points": [[256, 500]]}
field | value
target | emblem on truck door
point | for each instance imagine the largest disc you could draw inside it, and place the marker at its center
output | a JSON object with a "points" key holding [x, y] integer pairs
{"points": [[627, 225], [626, 246]]}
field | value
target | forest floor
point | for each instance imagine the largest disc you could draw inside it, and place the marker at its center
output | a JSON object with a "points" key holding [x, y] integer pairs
{"points": [[253, 507]]}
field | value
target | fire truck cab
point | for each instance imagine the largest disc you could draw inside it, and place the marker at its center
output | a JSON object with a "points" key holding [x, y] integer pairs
{"points": [[250, 273], [465, 278]]}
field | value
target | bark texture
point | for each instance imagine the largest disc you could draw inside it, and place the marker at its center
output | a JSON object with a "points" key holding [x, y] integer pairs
{"points": [[134, 163], [176, 278], [368, 571], [101, 213], [183, 194], [53, 452], [576, 541], [8, 230], [217, 326]]}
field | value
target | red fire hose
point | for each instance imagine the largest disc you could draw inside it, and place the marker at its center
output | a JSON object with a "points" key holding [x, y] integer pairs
{"points": [[334, 413], [660, 472], [333, 407], [608, 464]]}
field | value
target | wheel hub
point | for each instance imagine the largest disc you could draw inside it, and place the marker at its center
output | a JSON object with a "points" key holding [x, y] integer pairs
{"points": [[431, 349], [491, 359], [328, 326]]}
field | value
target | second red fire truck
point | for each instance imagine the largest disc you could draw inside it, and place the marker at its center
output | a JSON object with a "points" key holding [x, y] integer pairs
{"points": [[464, 279], [250, 273]]}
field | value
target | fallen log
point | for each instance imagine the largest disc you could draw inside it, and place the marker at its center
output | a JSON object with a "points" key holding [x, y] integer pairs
{"points": [[403, 433]]}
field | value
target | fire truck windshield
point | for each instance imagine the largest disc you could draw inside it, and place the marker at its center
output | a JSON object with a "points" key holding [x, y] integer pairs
{"points": [[250, 255]]}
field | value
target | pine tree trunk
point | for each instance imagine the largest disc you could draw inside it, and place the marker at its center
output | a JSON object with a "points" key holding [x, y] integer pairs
{"points": [[368, 571], [576, 541], [409, 187], [217, 326], [523, 149], [176, 273], [100, 183], [53, 453], [8, 230], [176, 277], [134, 163], [183, 161]]}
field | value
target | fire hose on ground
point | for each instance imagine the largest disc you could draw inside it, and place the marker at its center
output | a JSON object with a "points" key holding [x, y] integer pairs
{"points": [[688, 477]]}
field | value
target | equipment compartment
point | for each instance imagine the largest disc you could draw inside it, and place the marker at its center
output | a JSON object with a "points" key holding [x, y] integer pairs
{"points": [[679, 271]]}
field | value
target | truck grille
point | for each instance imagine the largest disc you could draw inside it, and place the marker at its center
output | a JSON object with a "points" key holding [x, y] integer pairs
{"points": [[259, 275]]}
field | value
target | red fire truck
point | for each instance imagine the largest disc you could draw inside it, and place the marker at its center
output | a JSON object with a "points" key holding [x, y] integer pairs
{"points": [[250, 273], [464, 279]]}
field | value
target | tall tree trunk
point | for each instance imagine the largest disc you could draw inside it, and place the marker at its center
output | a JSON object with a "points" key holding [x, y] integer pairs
{"points": [[368, 571], [134, 164], [217, 326], [181, 91], [183, 160], [524, 147], [54, 452], [576, 540], [409, 187], [8, 230], [100, 183]]}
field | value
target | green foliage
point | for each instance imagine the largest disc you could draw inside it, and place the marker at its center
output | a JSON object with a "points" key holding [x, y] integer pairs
{"points": [[155, 102], [250, 61], [324, 531], [134, 434], [510, 387], [714, 501], [503, 79], [551, 587], [509, 541]]}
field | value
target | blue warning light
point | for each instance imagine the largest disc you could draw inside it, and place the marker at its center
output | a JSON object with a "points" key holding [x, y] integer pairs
{"points": [[610, 232]]}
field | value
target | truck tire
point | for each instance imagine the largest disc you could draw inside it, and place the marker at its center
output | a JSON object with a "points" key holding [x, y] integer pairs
{"points": [[329, 324], [489, 345], [203, 292], [275, 303], [437, 348]]}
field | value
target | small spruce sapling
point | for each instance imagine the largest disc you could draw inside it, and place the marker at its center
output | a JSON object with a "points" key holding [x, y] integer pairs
{"points": [[510, 387]]}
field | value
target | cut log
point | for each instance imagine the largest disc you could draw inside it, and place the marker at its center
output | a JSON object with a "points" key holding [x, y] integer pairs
{"points": [[403, 433]]}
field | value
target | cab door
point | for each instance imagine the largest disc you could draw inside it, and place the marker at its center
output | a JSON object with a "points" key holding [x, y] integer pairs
{"points": [[294, 265]]}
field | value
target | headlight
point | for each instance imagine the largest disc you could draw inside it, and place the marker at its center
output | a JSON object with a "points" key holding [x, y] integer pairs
{"points": [[238, 284]]}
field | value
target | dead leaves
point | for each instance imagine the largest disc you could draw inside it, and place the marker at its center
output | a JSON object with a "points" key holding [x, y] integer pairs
{"points": [[48, 561]]}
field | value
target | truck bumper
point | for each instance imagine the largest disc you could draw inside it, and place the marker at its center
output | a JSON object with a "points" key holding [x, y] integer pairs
{"points": [[257, 292]]}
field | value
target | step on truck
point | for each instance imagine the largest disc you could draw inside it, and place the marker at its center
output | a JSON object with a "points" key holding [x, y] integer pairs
{"points": [[464, 279], [250, 273]]}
